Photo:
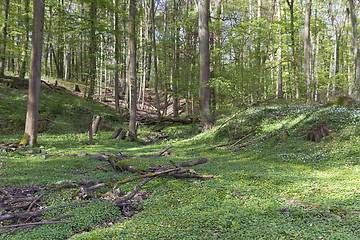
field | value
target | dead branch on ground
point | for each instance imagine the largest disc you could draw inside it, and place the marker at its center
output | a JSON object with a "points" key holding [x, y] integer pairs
{"points": [[254, 141]]}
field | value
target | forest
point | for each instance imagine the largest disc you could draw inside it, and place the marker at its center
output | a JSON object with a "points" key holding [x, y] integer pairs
{"points": [[179, 119]]}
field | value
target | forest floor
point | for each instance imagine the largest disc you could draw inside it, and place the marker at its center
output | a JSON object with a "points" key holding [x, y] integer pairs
{"points": [[146, 105], [270, 182]]}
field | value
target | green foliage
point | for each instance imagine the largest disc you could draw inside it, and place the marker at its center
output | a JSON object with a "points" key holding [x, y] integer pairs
{"points": [[249, 199]]}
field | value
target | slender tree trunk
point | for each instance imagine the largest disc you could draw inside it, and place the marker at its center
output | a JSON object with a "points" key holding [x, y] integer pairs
{"points": [[307, 51], [132, 69], [356, 49], [218, 64], [93, 49], [156, 75], [4, 35], [165, 58], [174, 80], [204, 65], [22, 70], [117, 54], [292, 89], [60, 49], [338, 30], [32, 116], [279, 86]]}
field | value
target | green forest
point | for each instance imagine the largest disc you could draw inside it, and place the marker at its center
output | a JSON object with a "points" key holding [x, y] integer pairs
{"points": [[179, 119]]}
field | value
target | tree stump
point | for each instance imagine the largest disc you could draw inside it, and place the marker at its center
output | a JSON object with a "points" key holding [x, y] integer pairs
{"points": [[96, 124], [77, 88], [316, 134]]}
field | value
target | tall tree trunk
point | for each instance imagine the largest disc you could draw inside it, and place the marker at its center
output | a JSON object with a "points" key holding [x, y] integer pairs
{"points": [[93, 49], [132, 69], [307, 51], [279, 85], [338, 31], [117, 54], [293, 88], [174, 76], [22, 70], [4, 35], [218, 56], [356, 49], [156, 75], [165, 58], [204, 65], [32, 116]]}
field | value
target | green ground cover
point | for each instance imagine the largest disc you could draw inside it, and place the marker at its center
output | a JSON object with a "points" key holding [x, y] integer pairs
{"points": [[276, 189]]}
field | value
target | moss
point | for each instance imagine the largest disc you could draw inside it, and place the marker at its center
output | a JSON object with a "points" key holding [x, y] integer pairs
{"points": [[120, 164], [25, 140], [343, 101]]}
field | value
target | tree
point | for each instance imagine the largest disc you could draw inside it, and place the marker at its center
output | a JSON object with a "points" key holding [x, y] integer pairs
{"points": [[279, 86], [204, 65], [132, 69], [32, 116], [93, 49], [307, 50], [117, 54], [25, 54], [356, 48], [156, 75], [4, 35]]}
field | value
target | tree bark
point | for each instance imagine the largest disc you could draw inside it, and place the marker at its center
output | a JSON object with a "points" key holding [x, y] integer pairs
{"points": [[117, 55], [132, 69], [174, 75], [22, 70], [156, 75], [279, 86], [204, 63], [356, 49], [4, 35], [32, 116], [307, 51], [93, 49]]}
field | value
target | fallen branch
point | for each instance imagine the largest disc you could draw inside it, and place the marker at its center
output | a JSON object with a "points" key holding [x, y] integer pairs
{"points": [[159, 154], [43, 194], [33, 224], [254, 141], [131, 194], [26, 215], [242, 110], [241, 138]]}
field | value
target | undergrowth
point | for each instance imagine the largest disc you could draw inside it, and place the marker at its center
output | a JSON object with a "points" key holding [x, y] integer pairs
{"points": [[289, 189]]}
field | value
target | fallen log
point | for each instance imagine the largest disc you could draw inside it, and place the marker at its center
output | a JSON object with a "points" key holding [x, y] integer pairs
{"points": [[116, 133]]}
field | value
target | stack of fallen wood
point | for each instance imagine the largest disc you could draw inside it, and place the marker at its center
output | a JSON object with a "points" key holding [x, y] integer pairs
{"points": [[23, 205], [173, 170]]}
